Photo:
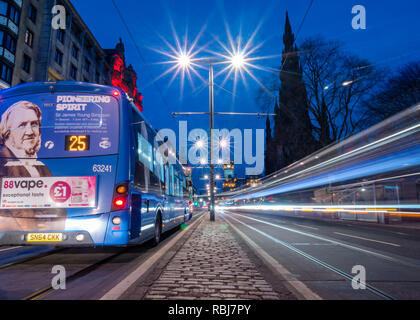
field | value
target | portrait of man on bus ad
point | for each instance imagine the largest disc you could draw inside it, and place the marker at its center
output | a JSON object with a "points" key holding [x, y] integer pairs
{"points": [[20, 141], [20, 138]]}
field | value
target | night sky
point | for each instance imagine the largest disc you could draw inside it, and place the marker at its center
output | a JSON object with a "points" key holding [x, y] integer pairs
{"points": [[391, 40]]}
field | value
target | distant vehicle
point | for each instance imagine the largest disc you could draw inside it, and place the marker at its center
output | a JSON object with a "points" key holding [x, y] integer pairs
{"points": [[80, 166]]}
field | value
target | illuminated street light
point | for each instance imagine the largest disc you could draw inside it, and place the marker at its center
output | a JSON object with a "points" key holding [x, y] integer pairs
{"points": [[238, 60], [199, 144], [184, 61], [347, 83], [224, 143]]}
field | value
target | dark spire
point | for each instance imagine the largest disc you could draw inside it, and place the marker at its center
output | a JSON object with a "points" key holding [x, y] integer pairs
{"points": [[288, 37], [120, 49], [293, 138], [268, 128]]}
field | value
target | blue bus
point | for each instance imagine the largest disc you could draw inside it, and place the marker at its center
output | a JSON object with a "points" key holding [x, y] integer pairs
{"points": [[80, 166]]}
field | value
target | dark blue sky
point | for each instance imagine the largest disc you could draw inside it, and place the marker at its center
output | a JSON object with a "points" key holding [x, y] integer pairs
{"points": [[392, 39]]}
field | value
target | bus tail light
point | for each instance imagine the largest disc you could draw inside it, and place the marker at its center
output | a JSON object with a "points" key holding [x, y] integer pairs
{"points": [[120, 198], [119, 203]]}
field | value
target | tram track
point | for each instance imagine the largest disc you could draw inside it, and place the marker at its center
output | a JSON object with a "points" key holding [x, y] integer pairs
{"points": [[29, 258], [41, 293], [380, 293], [36, 269]]}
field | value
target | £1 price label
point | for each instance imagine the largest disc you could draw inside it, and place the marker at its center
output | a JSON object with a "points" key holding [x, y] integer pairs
{"points": [[60, 192]]}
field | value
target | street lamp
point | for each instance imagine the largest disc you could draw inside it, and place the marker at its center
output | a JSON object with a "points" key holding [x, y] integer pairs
{"points": [[199, 144], [237, 61], [184, 60], [224, 143]]}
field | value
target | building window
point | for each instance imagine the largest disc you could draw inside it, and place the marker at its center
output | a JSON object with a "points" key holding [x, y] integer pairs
{"points": [[3, 8], [60, 35], [9, 43], [77, 32], [7, 10], [73, 72], [59, 57], [32, 12], [14, 14], [88, 46], [6, 73], [75, 52], [26, 65], [87, 65], [29, 38]]}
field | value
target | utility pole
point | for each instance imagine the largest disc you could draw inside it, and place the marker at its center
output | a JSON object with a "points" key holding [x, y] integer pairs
{"points": [[184, 62], [211, 111]]}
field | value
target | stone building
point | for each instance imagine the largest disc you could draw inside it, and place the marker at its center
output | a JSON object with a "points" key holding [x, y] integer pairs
{"points": [[32, 49]]}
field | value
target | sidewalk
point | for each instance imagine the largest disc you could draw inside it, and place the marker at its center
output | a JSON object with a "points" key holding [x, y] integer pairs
{"points": [[212, 265]]}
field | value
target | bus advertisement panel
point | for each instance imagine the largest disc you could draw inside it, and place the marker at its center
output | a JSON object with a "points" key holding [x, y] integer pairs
{"points": [[50, 144]]}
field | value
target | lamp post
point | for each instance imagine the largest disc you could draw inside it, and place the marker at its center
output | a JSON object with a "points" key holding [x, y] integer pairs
{"points": [[237, 60], [211, 112]]}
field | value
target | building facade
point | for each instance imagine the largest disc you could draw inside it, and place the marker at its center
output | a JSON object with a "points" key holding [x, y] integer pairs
{"points": [[31, 49], [230, 180], [10, 12], [122, 76]]}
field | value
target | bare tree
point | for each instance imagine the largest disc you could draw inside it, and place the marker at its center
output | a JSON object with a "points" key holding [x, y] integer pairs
{"points": [[400, 91], [337, 83], [266, 97]]}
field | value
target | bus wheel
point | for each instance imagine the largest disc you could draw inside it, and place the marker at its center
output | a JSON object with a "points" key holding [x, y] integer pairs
{"points": [[158, 231]]}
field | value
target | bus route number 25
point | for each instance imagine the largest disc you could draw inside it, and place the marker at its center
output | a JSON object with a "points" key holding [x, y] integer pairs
{"points": [[102, 168]]}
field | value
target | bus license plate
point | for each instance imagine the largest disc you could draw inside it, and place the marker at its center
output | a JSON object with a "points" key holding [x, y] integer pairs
{"points": [[44, 237]]}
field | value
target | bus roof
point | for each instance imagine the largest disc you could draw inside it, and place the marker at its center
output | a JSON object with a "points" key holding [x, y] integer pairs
{"points": [[62, 86]]}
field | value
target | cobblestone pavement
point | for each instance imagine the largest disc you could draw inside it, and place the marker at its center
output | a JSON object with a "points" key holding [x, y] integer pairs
{"points": [[211, 265]]}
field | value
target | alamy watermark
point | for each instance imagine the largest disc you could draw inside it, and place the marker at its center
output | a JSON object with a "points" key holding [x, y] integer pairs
{"points": [[359, 20], [359, 280], [58, 282], [59, 20], [194, 147]]}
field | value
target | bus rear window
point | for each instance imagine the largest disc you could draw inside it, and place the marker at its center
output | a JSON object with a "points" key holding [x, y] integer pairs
{"points": [[59, 125]]}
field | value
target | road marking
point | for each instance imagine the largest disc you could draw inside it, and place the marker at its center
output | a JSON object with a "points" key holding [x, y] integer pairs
{"points": [[361, 238], [379, 255], [311, 244], [318, 261], [298, 286], [126, 283], [7, 249], [300, 225]]}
